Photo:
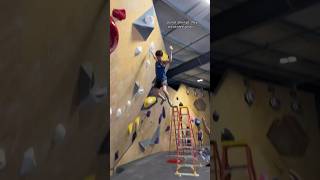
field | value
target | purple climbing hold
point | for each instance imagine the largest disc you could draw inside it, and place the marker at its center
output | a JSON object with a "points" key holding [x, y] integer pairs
{"points": [[160, 118], [156, 141], [163, 112], [148, 113]]}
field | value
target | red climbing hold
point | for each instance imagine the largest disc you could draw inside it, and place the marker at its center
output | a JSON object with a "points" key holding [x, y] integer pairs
{"points": [[120, 14], [174, 161], [114, 35]]}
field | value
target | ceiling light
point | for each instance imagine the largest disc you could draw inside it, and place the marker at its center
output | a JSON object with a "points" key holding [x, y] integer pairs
{"points": [[207, 1], [199, 80], [284, 60], [292, 59]]}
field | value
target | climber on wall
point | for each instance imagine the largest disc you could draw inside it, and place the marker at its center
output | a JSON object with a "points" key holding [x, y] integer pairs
{"points": [[161, 68]]}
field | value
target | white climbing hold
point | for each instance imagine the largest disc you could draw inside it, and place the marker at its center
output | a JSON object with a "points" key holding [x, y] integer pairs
{"points": [[138, 51], [148, 63], [3, 161], [129, 103], [29, 162], [140, 91], [152, 47], [59, 134], [119, 112], [149, 20]]}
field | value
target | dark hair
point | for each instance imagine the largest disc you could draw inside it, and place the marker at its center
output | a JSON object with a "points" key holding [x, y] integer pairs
{"points": [[159, 53]]}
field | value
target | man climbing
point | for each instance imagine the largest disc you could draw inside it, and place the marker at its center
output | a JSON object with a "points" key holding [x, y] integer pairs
{"points": [[161, 68]]}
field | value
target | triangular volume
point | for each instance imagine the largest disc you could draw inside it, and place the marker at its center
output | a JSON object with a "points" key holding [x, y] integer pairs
{"points": [[145, 23], [144, 144], [156, 135], [85, 81]]}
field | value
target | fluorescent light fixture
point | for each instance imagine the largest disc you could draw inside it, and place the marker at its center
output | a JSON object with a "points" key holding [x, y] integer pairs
{"points": [[284, 60], [290, 59], [199, 80], [207, 1]]}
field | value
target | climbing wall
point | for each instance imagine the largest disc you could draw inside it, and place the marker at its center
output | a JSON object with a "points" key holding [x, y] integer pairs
{"points": [[251, 125], [150, 125], [45, 131], [189, 98], [144, 145], [131, 71]]}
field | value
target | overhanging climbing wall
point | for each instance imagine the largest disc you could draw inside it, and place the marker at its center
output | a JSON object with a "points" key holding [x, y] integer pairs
{"points": [[127, 68]]}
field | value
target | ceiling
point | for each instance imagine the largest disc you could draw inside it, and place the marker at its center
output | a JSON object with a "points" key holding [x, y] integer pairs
{"points": [[256, 50], [188, 43]]}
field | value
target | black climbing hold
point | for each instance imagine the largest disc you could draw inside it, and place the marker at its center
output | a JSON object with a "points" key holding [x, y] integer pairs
{"points": [[163, 112], [105, 147], [177, 98], [215, 116], [116, 155], [134, 136], [180, 104], [148, 113], [167, 128], [227, 135]]}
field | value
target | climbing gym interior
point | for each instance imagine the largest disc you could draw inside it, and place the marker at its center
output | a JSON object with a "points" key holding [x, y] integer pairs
{"points": [[265, 83], [159, 104]]}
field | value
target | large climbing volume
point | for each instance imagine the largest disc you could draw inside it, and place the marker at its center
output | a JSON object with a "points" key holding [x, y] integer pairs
{"points": [[145, 23]]}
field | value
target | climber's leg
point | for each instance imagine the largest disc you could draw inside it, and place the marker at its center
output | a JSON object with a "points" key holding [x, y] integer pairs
{"points": [[164, 88], [158, 87]]}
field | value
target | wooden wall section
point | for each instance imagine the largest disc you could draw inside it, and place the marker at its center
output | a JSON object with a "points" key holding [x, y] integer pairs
{"points": [[126, 69]]}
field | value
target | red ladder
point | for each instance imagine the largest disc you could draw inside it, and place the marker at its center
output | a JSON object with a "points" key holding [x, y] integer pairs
{"points": [[227, 169], [185, 143]]}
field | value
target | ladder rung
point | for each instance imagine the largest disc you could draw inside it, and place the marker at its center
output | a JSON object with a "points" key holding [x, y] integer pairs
{"points": [[186, 156], [186, 165], [187, 174], [185, 138], [183, 129]]}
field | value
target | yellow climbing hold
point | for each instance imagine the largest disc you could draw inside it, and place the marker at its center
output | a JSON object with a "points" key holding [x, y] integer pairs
{"points": [[165, 57], [137, 121], [130, 128], [149, 101], [92, 177]]}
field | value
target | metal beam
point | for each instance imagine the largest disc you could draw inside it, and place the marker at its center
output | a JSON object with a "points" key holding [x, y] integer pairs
{"points": [[177, 83], [252, 13], [270, 48], [265, 75], [198, 61]]}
